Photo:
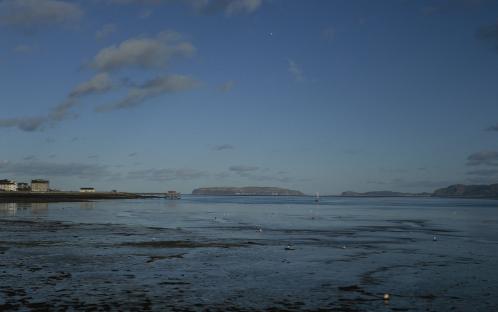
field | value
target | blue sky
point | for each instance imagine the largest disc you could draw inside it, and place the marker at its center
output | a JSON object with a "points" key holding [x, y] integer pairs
{"points": [[323, 96]]}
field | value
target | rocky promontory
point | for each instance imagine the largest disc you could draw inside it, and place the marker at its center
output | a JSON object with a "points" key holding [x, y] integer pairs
{"points": [[473, 191]]}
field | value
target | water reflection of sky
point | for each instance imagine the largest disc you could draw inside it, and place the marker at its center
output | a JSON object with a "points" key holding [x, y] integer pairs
{"points": [[476, 217]]}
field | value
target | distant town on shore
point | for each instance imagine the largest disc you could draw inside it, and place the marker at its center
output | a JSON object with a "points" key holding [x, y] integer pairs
{"points": [[36, 186]]}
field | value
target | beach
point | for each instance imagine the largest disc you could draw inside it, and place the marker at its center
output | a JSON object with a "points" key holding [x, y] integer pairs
{"points": [[250, 254]]}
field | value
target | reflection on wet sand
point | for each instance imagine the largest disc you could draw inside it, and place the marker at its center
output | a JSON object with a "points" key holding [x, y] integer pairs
{"points": [[251, 254], [87, 205], [14, 209], [8, 209]]}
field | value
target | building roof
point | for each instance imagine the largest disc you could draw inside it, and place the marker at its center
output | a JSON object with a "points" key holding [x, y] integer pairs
{"points": [[39, 181], [5, 181]]}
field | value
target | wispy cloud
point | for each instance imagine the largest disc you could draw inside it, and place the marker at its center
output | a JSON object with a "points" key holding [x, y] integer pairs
{"points": [[106, 31], [255, 173], [24, 123], [48, 169], [241, 169], [23, 49], [484, 172], [31, 14], [98, 84], [329, 33], [295, 70], [222, 147], [143, 52], [489, 158], [227, 86], [228, 7], [146, 13], [167, 174], [492, 128], [441, 7], [489, 34], [150, 89], [30, 158]]}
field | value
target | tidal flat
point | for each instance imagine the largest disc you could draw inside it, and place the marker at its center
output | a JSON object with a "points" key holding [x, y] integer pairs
{"points": [[250, 254]]}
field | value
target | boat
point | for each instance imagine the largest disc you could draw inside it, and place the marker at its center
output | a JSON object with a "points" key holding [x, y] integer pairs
{"points": [[317, 197]]}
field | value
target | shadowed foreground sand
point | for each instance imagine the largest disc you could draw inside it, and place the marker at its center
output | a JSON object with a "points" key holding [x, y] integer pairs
{"points": [[57, 265]]}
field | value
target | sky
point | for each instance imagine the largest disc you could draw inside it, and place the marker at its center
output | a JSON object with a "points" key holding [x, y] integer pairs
{"points": [[318, 96]]}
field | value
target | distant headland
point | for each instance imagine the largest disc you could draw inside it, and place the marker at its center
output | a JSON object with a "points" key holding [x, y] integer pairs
{"points": [[246, 191], [456, 190], [468, 191]]}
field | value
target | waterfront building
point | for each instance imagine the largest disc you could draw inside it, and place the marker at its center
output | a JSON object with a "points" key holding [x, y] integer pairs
{"points": [[23, 187], [173, 195], [8, 185], [39, 185], [87, 190]]}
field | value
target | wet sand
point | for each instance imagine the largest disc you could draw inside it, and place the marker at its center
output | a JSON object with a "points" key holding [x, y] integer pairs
{"points": [[47, 264]]}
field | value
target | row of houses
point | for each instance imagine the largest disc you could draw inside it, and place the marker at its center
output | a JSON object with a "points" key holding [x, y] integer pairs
{"points": [[37, 185]]}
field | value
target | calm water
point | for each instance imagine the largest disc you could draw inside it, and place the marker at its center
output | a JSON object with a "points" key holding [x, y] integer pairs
{"points": [[345, 253]]}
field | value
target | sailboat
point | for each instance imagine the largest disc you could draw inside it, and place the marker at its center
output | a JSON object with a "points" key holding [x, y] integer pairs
{"points": [[317, 197]]}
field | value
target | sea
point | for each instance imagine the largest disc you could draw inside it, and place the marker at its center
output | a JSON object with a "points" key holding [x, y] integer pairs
{"points": [[250, 253]]}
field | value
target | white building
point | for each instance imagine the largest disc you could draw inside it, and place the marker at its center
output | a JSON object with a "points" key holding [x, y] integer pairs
{"points": [[8, 186], [39, 185], [87, 190]]}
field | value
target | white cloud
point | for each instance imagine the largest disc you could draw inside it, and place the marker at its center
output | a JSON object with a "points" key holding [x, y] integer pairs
{"points": [[152, 88], [143, 52], [98, 84]]}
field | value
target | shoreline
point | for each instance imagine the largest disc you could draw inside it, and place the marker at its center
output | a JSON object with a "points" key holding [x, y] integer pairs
{"points": [[58, 197], [50, 197]]}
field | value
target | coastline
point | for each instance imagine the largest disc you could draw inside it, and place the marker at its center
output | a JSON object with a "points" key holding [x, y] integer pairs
{"points": [[50, 197]]}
